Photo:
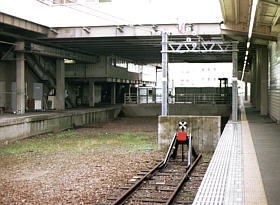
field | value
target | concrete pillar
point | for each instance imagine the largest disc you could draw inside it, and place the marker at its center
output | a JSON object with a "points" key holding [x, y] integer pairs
{"points": [[234, 84], [91, 93], [258, 78], [253, 83], [113, 94], [60, 85], [264, 80], [20, 80], [262, 64]]}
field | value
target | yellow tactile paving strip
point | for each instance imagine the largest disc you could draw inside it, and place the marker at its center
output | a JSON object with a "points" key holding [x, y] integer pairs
{"points": [[253, 185]]}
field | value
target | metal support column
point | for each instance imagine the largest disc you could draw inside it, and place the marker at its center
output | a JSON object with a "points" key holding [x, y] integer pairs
{"points": [[253, 81], [20, 80], [258, 80], [113, 94], [246, 90], [91, 93], [263, 64], [60, 85], [164, 65], [234, 84]]}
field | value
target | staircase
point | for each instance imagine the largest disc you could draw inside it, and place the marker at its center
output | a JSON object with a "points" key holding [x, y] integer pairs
{"points": [[45, 71]]}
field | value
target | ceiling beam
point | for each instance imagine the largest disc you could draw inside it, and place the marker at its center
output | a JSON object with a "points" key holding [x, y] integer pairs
{"points": [[134, 31], [237, 11], [222, 4], [272, 2], [276, 17], [23, 24], [57, 53], [262, 32]]}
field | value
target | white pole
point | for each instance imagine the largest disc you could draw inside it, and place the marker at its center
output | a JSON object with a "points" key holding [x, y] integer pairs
{"points": [[190, 150], [164, 65]]}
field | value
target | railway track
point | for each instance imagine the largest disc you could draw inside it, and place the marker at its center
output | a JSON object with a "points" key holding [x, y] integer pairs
{"points": [[174, 184]]}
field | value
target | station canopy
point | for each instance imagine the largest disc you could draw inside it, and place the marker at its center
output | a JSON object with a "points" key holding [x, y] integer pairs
{"points": [[132, 28]]}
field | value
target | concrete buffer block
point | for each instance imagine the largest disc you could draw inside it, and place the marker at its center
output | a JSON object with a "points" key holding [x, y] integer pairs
{"points": [[206, 131]]}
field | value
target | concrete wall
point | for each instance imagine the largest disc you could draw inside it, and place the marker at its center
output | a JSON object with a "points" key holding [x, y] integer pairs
{"points": [[206, 131], [25, 126], [140, 110], [274, 81], [102, 69], [8, 75]]}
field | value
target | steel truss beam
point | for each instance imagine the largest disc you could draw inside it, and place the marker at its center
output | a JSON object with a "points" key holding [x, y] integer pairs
{"points": [[200, 47]]}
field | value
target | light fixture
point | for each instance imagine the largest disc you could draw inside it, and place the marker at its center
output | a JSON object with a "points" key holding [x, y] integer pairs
{"points": [[252, 18], [69, 61], [248, 44], [250, 32]]}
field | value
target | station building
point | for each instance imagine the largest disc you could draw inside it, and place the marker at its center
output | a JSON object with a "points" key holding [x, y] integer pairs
{"points": [[89, 54]]}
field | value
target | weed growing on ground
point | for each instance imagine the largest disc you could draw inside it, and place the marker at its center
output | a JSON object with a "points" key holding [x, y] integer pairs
{"points": [[78, 142]]}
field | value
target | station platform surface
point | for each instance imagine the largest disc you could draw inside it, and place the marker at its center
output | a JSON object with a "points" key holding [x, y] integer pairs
{"points": [[9, 116], [266, 138], [245, 167], [14, 127]]}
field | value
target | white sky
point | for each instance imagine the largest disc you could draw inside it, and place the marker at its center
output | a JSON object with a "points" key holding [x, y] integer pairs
{"points": [[130, 12]]}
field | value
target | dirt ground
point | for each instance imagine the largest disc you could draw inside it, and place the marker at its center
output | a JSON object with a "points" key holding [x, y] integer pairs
{"points": [[81, 166]]}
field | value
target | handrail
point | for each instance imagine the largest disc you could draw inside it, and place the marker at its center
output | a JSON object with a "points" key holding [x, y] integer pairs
{"points": [[167, 157], [189, 98]]}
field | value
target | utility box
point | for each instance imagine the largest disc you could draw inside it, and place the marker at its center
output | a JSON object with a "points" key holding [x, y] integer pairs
{"points": [[37, 91], [37, 95], [37, 104]]}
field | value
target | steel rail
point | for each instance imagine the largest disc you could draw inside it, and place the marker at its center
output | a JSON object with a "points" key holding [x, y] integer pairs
{"points": [[181, 183], [124, 197]]}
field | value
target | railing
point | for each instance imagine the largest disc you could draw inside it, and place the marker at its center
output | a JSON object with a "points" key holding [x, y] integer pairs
{"points": [[190, 98], [203, 98], [130, 98]]}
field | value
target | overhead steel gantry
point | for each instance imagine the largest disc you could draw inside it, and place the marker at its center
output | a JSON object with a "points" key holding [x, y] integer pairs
{"points": [[197, 46]]}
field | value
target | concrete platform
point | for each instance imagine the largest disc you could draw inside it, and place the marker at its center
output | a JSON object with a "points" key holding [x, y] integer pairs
{"points": [[246, 165], [14, 127], [266, 138]]}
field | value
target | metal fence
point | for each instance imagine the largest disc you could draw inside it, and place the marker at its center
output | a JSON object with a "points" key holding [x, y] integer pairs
{"points": [[190, 98], [203, 98], [130, 98]]}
